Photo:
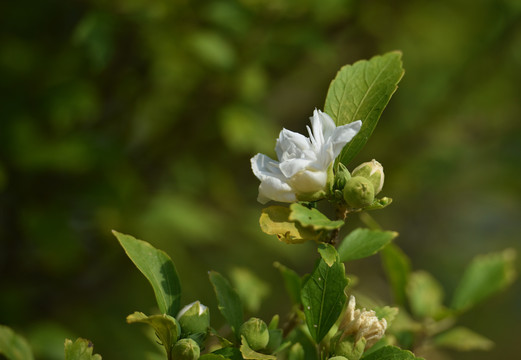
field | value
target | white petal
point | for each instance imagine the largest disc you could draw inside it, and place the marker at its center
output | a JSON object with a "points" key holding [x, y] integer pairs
{"points": [[316, 126], [293, 166], [264, 167], [344, 134], [273, 185], [275, 189], [328, 125], [309, 181], [289, 140], [324, 158]]}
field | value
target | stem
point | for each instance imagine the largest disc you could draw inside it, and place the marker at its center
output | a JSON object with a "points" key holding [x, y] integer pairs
{"points": [[292, 322], [341, 214]]}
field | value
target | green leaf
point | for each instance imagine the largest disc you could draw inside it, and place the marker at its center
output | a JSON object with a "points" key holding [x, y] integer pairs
{"points": [[14, 346], [274, 220], [250, 288], [463, 339], [397, 267], [274, 323], [211, 356], [328, 253], [165, 326], [378, 345], [248, 353], [292, 282], [312, 218], [323, 297], [360, 92], [486, 275], [229, 353], [275, 340], [362, 243], [229, 302], [159, 270], [391, 353], [425, 295], [81, 349], [223, 342], [379, 204]]}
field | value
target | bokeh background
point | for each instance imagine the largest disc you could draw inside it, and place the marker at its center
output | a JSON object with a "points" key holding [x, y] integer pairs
{"points": [[141, 116]]}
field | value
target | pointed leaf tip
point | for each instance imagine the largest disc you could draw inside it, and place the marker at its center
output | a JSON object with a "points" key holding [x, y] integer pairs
{"points": [[361, 92], [159, 270]]}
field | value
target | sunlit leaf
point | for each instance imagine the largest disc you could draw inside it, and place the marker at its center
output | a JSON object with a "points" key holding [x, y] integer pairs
{"points": [[164, 325], [274, 323], [248, 353], [379, 204], [360, 92], [81, 349], [425, 294], [312, 218], [274, 220], [230, 304], [229, 353], [328, 253], [463, 339], [323, 297], [397, 267], [485, 276], [158, 268], [362, 243], [391, 353], [14, 346]]}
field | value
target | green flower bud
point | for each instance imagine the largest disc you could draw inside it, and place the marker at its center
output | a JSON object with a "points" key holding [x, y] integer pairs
{"points": [[256, 333], [374, 172], [341, 177], [186, 349], [296, 352], [194, 318], [337, 358], [358, 192], [350, 349]]}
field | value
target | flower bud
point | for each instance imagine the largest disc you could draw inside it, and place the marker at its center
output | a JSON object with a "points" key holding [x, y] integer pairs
{"points": [[337, 358], [194, 318], [350, 348], [296, 352], [186, 349], [359, 192], [374, 172], [256, 333], [341, 177]]}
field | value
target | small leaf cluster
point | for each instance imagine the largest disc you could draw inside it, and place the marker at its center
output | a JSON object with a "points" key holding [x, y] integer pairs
{"points": [[425, 322], [319, 300]]}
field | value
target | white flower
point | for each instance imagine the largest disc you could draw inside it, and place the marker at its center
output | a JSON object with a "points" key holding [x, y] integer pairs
{"points": [[362, 324], [303, 163]]}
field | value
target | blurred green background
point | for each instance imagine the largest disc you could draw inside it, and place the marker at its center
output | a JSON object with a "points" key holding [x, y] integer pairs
{"points": [[142, 115]]}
